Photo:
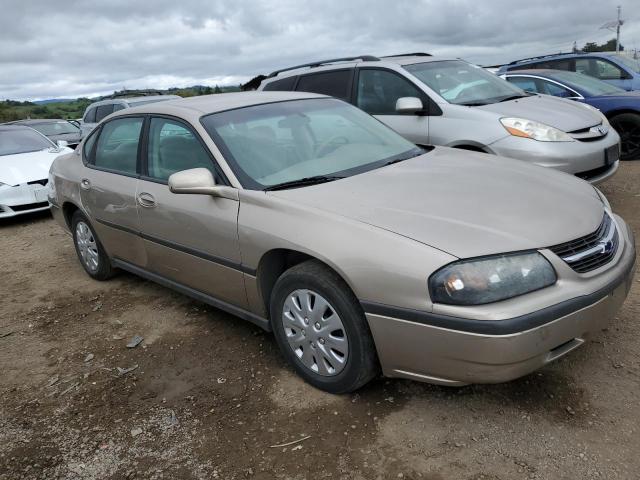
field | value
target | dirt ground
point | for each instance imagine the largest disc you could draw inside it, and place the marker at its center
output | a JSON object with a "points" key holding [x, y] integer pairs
{"points": [[211, 396]]}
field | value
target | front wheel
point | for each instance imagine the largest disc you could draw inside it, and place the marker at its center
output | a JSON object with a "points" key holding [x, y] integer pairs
{"points": [[321, 329], [628, 127]]}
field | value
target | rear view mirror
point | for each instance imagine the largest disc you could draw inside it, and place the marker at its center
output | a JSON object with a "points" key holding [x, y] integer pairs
{"points": [[409, 105], [199, 181]]}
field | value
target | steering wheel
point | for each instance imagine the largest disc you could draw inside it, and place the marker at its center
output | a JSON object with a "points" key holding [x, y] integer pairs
{"points": [[327, 144]]}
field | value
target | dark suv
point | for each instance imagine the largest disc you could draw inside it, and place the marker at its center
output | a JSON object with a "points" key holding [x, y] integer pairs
{"points": [[619, 70]]}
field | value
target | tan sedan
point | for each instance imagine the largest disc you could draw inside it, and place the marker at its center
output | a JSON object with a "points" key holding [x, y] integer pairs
{"points": [[360, 251]]}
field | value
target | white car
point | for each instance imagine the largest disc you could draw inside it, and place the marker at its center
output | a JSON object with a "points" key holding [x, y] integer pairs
{"points": [[25, 158]]}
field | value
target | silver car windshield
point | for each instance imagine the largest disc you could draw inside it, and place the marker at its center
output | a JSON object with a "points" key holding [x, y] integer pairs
{"points": [[13, 142], [461, 83], [301, 142]]}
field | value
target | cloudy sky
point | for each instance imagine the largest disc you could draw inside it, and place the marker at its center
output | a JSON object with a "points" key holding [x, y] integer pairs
{"points": [[70, 48]]}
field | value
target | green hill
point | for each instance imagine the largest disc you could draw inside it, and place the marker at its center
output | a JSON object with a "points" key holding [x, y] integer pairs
{"points": [[70, 109]]}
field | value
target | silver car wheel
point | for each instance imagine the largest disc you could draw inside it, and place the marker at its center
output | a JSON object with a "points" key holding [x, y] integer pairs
{"points": [[315, 332], [87, 246]]}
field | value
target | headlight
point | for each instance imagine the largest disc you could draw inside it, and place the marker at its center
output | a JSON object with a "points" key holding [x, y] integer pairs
{"points": [[521, 127], [490, 279]]}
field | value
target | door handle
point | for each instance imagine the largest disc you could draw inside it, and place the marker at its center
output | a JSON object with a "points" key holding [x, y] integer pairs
{"points": [[85, 184], [146, 200]]}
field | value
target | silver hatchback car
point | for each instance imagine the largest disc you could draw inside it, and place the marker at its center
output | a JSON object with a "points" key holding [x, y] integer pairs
{"points": [[359, 250], [447, 101]]}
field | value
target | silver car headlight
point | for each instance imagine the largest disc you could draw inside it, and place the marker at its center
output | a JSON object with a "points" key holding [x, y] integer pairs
{"points": [[491, 279], [521, 127]]}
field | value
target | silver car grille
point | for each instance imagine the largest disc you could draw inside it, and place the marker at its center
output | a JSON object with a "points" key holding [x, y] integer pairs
{"points": [[590, 134], [591, 251]]}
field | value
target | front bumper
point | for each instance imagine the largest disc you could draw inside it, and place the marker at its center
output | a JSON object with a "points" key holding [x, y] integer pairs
{"points": [[23, 199], [456, 351], [586, 160]]}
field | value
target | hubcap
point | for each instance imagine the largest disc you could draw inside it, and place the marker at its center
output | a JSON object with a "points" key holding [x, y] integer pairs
{"points": [[322, 347], [87, 246]]}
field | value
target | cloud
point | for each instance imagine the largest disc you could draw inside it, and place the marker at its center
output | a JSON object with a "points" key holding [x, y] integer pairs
{"points": [[72, 48]]}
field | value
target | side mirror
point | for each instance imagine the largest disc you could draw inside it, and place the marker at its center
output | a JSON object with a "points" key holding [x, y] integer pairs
{"points": [[409, 105], [62, 143], [199, 181]]}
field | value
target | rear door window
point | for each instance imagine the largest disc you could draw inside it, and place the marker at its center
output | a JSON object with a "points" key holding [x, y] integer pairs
{"points": [[336, 83], [525, 83], [556, 90], [103, 110], [117, 146]]}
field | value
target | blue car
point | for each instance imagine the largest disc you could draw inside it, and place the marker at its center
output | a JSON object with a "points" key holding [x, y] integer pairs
{"points": [[618, 70], [621, 108]]}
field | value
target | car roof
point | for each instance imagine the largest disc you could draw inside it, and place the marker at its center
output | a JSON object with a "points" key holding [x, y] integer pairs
{"points": [[369, 60], [535, 71], [554, 56], [34, 121], [132, 100], [195, 107], [4, 127]]}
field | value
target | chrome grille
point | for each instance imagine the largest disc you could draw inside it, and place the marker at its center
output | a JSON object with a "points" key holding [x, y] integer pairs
{"points": [[591, 251]]}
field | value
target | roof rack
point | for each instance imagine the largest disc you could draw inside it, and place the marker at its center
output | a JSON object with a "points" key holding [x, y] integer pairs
{"points": [[542, 56], [364, 58], [415, 54]]}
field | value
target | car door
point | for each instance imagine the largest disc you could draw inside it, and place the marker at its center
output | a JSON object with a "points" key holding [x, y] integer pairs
{"points": [[378, 90], [189, 239], [108, 187]]}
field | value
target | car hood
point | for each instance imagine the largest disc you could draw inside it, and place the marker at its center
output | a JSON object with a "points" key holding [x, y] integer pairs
{"points": [[464, 203], [562, 114], [28, 167]]}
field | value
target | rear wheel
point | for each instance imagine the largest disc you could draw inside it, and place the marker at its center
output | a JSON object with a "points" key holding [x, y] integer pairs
{"points": [[628, 127], [90, 252], [321, 329]]}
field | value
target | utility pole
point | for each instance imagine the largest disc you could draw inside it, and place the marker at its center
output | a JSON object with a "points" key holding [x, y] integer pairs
{"points": [[618, 31], [615, 26]]}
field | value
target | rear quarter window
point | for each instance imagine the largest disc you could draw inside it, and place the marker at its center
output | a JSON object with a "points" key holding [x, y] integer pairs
{"points": [[284, 85], [336, 83], [90, 116]]}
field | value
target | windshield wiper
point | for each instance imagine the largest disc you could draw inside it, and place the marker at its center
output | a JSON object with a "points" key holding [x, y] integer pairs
{"points": [[473, 104], [413, 154], [303, 182], [512, 97]]}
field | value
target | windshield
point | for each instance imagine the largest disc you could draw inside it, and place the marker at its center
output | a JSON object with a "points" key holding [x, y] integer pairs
{"points": [[55, 128], [461, 83], [591, 86], [22, 140], [631, 63], [284, 142]]}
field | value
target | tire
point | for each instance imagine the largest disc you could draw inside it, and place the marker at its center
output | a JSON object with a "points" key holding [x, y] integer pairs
{"points": [[90, 251], [314, 352], [628, 127]]}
